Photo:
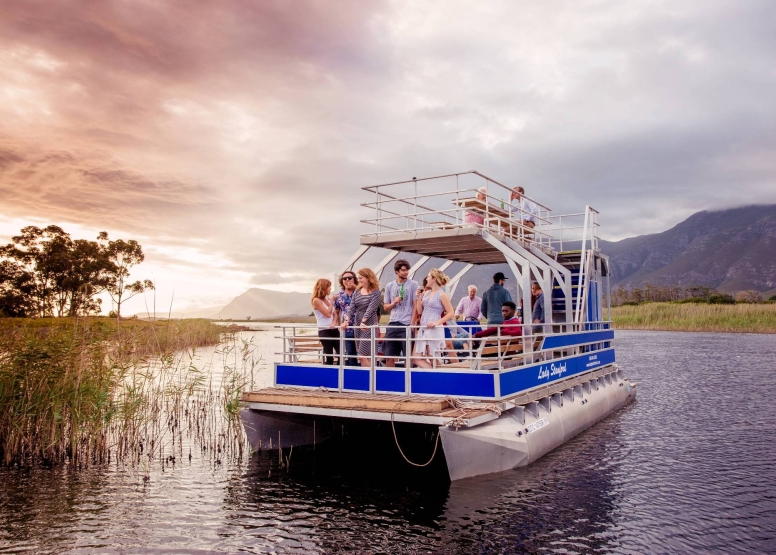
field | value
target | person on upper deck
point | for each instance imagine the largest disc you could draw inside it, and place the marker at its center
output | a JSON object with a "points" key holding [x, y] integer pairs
{"points": [[537, 314], [399, 299], [363, 313], [323, 308], [494, 298], [523, 209], [342, 303], [511, 325], [473, 217], [435, 309]]}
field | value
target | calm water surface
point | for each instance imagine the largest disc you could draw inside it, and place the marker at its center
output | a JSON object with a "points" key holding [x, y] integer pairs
{"points": [[688, 468]]}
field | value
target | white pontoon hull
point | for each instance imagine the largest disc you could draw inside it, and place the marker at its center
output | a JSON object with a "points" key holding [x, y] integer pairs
{"points": [[514, 440]]}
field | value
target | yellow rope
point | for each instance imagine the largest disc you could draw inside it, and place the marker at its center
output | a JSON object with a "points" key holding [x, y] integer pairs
{"points": [[396, 439]]}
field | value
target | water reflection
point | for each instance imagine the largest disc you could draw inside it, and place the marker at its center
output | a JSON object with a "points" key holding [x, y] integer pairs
{"points": [[686, 468]]}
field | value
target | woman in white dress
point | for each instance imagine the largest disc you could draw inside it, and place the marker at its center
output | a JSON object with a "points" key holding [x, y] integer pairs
{"points": [[435, 309], [323, 308]]}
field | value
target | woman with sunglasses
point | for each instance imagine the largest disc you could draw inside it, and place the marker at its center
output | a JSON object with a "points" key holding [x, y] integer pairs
{"points": [[363, 313], [342, 304]]}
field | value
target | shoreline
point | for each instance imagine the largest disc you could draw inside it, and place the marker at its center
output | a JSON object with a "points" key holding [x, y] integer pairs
{"points": [[651, 316], [619, 328]]}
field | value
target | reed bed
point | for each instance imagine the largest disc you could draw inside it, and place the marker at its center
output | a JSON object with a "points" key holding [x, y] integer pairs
{"points": [[737, 318], [94, 390]]}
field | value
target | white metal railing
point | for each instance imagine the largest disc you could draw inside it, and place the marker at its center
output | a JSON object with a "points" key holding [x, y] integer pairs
{"points": [[451, 201], [495, 353], [448, 202]]}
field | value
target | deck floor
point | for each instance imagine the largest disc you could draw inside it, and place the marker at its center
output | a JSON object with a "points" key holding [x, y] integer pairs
{"points": [[399, 403]]}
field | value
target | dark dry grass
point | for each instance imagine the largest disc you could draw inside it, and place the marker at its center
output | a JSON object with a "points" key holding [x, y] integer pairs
{"points": [[737, 318], [81, 390]]}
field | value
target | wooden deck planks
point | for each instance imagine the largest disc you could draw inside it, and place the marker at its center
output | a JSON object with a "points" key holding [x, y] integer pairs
{"points": [[348, 400]]}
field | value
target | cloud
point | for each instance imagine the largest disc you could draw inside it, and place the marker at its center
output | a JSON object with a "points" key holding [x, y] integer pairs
{"points": [[231, 138]]}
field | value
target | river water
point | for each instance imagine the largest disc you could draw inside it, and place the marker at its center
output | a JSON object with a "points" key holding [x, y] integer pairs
{"points": [[690, 467]]}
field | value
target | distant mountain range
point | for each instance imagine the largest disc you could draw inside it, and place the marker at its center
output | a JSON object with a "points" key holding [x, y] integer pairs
{"points": [[729, 250], [262, 303]]}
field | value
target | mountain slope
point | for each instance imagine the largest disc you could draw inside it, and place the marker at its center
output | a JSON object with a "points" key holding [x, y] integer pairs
{"points": [[263, 303], [730, 250]]}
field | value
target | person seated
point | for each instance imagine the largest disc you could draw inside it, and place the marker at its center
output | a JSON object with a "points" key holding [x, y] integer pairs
{"points": [[473, 217], [510, 327], [450, 352], [523, 209], [537, 314], [461, 339], [469, 308]]}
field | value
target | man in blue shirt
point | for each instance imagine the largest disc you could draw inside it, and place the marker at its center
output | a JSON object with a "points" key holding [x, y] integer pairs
{"points": [[399, 300], [494, 298]]}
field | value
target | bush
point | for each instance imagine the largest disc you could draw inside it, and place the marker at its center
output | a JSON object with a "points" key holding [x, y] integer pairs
{"points": [[721, 298], [748, 297], [694, 300], [772, 298]]}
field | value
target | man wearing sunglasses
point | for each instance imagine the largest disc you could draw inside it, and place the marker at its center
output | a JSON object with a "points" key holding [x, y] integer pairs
{"points": [[347, 283]]}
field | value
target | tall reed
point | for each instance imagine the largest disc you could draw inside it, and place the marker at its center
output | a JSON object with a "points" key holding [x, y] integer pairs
{"points": [[85, 390], [749, 318]]}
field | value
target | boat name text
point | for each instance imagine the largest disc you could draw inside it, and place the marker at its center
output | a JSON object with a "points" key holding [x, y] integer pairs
{"points": [[552, 371]]}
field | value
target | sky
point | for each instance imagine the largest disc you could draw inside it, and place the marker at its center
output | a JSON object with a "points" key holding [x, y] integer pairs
{"points": [[231, 138]]}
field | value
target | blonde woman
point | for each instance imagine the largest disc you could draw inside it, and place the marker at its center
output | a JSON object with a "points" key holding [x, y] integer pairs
{"points": [[363, 313], [323, 308], [435, 309]]}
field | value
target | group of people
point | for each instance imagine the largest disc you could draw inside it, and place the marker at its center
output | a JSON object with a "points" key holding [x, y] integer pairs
{"points": [[354, 310], [521, 208]]}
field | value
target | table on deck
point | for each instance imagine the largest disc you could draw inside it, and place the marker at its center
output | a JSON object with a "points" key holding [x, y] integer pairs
{"points": [[494, 216]]}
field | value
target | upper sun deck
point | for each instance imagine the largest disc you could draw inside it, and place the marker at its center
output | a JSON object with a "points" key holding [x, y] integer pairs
{"points": [[443, 217]]}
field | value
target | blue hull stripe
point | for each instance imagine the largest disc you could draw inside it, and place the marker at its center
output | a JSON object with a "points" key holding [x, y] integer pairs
{"points": [[356, 379], [559, 341], [390, 380], [541, 374], [430, 382], [307, 376], [480, 384]]}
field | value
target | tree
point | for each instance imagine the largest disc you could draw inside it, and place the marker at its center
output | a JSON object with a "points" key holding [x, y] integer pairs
{"points": [[123, 255], [43, 272], [17, 287], [748, 297], [44, 255]]}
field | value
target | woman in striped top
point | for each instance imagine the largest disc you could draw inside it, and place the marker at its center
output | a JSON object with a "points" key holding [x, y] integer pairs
{"points": [[363, 313]]}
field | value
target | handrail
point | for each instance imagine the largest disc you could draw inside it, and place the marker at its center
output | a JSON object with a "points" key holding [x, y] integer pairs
{"points": [[411, 210], [297, 344]]}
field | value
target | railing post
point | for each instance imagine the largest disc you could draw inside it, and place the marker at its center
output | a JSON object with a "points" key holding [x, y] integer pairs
{"points": [[560, 224], [373, 350], [377, 220], [458, 206], [408, 362], [415, 205], [341, 371]]}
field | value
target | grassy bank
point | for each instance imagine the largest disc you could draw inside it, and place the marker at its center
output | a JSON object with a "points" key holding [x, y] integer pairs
{"points": [[81, 389], [741, 318]]}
